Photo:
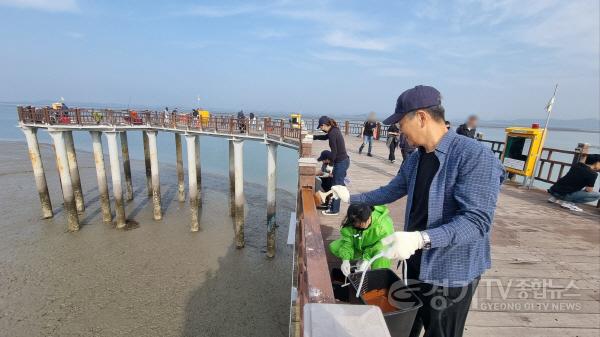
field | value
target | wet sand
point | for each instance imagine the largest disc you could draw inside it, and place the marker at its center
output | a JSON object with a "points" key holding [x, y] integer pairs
{"points": [[155, 280]]}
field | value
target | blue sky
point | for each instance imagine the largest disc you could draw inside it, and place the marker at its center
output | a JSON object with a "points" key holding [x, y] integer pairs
{"points": [[499, 58]]}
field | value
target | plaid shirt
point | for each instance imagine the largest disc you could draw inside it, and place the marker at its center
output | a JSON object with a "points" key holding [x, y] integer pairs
{"points": [[462, 200]]}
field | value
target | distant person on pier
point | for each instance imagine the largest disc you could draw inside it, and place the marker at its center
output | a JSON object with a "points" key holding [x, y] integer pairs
{"points": [[577, 186], [341, 161], [367, 133], [393, 133], [469, 129], [241, 119]]}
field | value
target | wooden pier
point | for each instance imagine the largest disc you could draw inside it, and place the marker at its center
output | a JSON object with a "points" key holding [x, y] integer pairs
{"points": [[115, 124], [545, 275]]}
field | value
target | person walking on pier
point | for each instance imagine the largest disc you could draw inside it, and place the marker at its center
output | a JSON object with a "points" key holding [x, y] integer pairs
{"points": [[367, 132], [577, 186], [392, 141], [468, 129], [341, 161], [452, 185]]}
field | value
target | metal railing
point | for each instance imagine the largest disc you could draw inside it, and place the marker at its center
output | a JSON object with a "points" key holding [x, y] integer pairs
{"points": [[550, 168], [224, 124]]}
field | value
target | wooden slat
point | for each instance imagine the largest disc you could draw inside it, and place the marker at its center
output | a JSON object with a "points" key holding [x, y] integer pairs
{"points": [[471, 331], [317, 272]]}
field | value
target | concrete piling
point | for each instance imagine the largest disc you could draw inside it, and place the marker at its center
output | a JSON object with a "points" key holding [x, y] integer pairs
{"points": [[74, 168], [115, 173], [238, 154], [147, 163], [231, 180], [101, 175], [192, 181], [271, 201], [180, 182], [155, 175], [62, 162], [38, 171], [126, 166], [198, 167]]}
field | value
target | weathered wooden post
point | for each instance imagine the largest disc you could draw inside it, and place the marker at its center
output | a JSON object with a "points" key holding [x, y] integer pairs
{"points": [[38, 170], [192, 181], [115, 174], [126, 166], [180, 182], [346, 128], [101, 176], [238, 154], [74, 168], [147, 163], [155, 175], [271, 200], [231, 179], [62, 162]]}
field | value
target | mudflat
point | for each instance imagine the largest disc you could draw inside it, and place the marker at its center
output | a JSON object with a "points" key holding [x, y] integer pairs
{"points": [[158, 279]]}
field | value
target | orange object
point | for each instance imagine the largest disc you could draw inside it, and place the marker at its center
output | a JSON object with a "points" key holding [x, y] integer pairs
{"points": [[379, 297]]}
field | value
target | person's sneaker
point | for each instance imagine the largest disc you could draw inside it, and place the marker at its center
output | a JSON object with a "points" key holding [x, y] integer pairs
{"points": [[323, 206], [571, 206], [392, 161], [370, 155], [328, 212], [360, 150], [553, 199]]}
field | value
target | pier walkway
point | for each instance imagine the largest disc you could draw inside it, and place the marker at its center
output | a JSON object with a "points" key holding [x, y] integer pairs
{"points": [[545, 275]]}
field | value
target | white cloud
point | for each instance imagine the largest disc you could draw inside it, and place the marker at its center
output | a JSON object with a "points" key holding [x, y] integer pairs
{"points": [[43, 5], [75, 35], [345, 40], [380, 66], [269, 34], [219, 12]]}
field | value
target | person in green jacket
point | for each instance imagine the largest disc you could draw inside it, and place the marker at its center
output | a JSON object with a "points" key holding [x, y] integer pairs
{"points": [[361, 234]]}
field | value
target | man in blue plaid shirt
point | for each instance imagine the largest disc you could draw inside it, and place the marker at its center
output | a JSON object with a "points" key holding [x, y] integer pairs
{"points": [[452, 185]]}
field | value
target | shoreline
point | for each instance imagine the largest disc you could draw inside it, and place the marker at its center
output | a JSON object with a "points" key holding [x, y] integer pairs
{"points": [[158, 279]]}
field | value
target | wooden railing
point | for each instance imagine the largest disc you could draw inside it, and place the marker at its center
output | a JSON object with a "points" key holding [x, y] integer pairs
{"points": [[312, 272], [350, 128], [273, 128]]}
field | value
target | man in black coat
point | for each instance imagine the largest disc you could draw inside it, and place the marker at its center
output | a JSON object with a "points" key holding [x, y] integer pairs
{"points": [[469, 129]]}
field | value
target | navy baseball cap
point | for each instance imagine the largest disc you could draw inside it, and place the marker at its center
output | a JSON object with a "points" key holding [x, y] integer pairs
{"points": [[419, 97], [322, 120], [326, 154]]}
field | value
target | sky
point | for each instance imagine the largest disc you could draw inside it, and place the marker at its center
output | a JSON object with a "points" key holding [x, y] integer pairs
{"points": [[496, 58]]}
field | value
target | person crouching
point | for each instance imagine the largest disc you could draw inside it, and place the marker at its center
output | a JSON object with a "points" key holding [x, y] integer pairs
{"points": [[361, 234]]}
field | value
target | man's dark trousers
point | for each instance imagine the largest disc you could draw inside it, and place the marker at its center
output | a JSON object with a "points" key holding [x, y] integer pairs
{"points": [[444, 309]]}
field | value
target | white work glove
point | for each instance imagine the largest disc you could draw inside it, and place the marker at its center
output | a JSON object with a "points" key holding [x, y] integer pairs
{"points": [[362, 266], [341, 192], [308, 137], [345, 267], [402, 245]]}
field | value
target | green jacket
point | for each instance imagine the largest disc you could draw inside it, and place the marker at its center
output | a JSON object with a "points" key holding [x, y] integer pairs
{"points": [[364, 244]]}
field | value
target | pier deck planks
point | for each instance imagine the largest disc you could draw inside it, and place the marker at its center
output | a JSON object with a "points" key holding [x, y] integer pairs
{"points": [[532, 241]]}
